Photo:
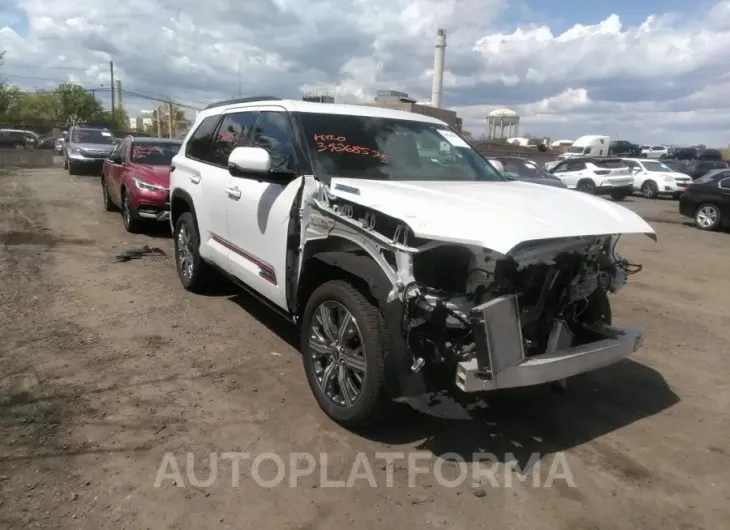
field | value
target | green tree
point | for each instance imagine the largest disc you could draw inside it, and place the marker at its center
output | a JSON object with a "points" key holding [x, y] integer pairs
{"points": [[75, 104]]}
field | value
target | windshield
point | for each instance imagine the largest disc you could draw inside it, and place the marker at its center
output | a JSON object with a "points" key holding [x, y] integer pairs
{"points": [[92, 136], [154, 154], [367, 147], [576, 149], [516, 167], [656, 166]]}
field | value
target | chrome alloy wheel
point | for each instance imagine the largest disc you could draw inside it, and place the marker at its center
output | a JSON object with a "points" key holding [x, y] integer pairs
{"points": [[336, 347], [127, 210], [184, 253], [707, 216]]}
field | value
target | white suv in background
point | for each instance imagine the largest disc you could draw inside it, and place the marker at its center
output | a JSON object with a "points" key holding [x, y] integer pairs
{"points": [[655, 151], [597, 176], [409, 264], [653, 178]]}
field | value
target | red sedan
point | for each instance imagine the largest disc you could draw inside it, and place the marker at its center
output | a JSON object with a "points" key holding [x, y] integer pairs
{"points": [[136, 180]]}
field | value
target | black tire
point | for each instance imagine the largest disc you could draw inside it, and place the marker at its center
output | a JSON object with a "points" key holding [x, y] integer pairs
{"points": [[65, 163], [708, 209], [649, 190], [619, 195], [132, 223], [586, 186], [109, 205], [200, 274], [373, 403], [72, 168]]}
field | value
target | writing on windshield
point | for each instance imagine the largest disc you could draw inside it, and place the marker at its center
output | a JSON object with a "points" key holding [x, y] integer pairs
{"points": [[154, 154], [338, 144]]}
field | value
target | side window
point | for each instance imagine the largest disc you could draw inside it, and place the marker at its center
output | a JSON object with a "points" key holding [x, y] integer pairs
{"points": [[705, 166], [126, 144], [272, 132], [197, 146], [631, 164], [235, 131], [576, 166], [117, 151], [560, 168]]}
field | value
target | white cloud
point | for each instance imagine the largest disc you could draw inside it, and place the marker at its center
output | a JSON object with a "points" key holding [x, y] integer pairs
{"points": [[662, 80]]}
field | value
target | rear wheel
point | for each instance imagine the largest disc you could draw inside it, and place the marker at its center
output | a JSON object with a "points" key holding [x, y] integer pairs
{"points": [[708, 217], [619, 195], [344, 343], [649, 189], [587, 186], [195, 275], [107, 200]]}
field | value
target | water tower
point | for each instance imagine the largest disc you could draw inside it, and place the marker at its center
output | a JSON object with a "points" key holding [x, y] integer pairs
{"points": [[502, 123]]}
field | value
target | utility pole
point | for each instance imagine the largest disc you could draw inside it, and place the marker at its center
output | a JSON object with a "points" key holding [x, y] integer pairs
{"points": [[170, 124], [111, 72], [159, 121], [119, 93]]}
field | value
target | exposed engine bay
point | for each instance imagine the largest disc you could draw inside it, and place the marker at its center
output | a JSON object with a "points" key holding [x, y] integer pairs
{"points": [[552, 280], [441, 284]]}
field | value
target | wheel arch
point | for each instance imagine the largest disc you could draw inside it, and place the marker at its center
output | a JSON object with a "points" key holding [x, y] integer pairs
{"points": [[181, 202], [339, 258], [585, 179]]}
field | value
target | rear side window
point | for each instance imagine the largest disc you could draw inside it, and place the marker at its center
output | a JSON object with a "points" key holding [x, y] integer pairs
{"points": [[234, 131], [197, 146], [721, 165], [576, 166], [725, 183], [610, 163]]}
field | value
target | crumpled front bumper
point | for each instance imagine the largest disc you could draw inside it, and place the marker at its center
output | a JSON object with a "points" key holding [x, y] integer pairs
{"points": [[500, 360]]}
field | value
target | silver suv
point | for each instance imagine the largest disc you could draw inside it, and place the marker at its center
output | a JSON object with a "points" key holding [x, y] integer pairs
{"points": [[86, 148]]}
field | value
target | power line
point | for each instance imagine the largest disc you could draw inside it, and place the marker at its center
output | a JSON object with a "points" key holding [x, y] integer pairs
{"points": [[44, 67]]}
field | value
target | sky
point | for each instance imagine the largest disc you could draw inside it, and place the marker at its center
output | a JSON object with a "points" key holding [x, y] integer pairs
{"points": [[650, 72]]}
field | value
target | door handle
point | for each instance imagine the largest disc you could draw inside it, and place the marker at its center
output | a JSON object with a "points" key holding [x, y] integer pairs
{"points": [[195, 179], [233, 193]]}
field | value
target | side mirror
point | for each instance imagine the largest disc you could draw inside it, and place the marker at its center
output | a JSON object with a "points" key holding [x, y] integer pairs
{"points": [[249, 160], [115, 159]]}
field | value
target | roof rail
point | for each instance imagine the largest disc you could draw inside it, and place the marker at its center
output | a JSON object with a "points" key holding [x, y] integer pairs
{"points": [[251, 99]]}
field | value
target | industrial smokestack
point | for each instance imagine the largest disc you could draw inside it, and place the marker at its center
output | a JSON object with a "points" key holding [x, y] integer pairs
{"points": [[438, 68]]}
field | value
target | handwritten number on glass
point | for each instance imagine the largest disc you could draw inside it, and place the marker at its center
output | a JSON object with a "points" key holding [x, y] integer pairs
{"points": [[336, 144]]}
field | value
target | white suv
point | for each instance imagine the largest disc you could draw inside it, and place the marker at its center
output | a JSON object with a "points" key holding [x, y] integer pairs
{"points": [[409, 264], [597, 176]]}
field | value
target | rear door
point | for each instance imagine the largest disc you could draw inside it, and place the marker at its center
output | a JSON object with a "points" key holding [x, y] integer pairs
{"points": [[570, 172], [196, 172]]}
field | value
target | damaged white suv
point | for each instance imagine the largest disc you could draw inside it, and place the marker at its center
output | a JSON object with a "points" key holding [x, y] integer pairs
{"points": [[409, 263]]}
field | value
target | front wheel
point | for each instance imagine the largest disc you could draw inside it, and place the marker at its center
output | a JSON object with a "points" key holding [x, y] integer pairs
{"points": [[708, 217], [344, 343], [132, 223], [649, 189]]}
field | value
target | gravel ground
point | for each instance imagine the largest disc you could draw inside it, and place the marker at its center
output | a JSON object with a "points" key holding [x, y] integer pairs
{"points": [[106, 368]]}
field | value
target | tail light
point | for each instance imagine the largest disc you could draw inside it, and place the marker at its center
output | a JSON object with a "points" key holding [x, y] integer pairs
{"points": [[601, 171]]}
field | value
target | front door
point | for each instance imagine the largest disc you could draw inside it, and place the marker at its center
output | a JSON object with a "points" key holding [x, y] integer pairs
{"points": [[259, 213]]}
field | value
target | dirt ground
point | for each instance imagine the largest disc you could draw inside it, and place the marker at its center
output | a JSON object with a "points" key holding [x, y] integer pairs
{"points": [[107, 367]]}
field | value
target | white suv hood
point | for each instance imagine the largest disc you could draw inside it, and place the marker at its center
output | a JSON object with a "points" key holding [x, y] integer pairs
{"points": [[495, 215]]}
